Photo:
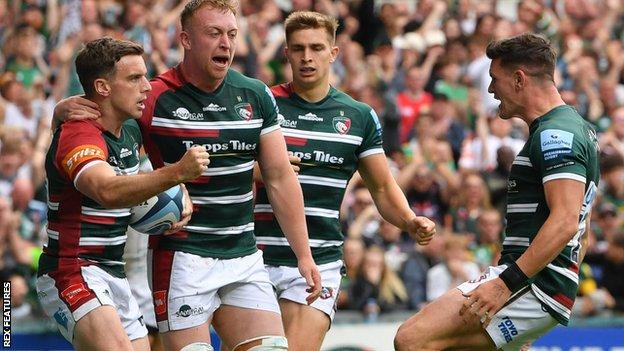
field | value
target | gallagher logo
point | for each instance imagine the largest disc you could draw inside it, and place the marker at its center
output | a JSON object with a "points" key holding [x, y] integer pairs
{"points": [[244, 111], [341, 124]]}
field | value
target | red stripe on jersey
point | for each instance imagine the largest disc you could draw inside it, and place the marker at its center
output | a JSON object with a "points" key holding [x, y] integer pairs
{"points": [[69, 233], [263, 216], [574, 267], [92, 249], [282, 90], [162, 263], [564, 300], [295, 141], [98, 219], [180, 132], [200, 180]]}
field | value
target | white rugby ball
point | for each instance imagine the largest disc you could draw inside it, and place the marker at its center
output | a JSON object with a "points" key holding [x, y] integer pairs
{"points": [[157, 214]]}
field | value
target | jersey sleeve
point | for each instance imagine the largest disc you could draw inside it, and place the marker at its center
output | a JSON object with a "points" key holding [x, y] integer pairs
{"points": [[371, 137], [269, 109], [559, 154], [80, 146]]}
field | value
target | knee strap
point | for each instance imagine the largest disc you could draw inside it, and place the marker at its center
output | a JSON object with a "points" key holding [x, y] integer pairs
{"points": [[268, 343], [198, 346]]}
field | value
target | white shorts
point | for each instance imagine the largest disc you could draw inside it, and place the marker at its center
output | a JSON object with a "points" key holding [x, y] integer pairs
{"points": [[521, 320], [68, 296], [188, 288], [135, 256], [290, 285]]}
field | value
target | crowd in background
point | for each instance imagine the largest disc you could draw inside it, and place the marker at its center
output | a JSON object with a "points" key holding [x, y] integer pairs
{"points": [[420, 64]]}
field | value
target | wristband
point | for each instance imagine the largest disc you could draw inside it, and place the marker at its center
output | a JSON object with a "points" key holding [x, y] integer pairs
{"points": [[514, 277]]}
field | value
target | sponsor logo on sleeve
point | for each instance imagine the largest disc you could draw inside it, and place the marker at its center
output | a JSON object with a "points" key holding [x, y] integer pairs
{"points": [[79, 155], [555, 142]]}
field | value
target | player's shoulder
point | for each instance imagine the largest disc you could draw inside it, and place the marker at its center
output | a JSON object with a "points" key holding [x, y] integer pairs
{"points": [[241, 81], [349, 102], [80, 128], [284, 90], [169, 80], [562, 117]]}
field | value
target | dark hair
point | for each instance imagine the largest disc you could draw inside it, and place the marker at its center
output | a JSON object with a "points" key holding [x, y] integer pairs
{"points": [[310, 20], [528, 51], [97, 59], [194, 5]]}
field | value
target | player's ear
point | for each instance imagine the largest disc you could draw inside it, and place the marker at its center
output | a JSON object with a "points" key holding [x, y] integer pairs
{"points": [[184, 39], [334, 54], [102, 87], [519, 79]]}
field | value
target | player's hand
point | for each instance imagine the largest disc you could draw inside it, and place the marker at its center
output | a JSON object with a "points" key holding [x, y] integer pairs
{"points": [[484, 301], [422, 229], [186, 212], [294, 162], [194, 163], [309, 271], [76, 108]]}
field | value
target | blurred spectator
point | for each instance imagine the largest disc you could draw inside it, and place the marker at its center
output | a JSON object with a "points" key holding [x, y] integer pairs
{"points": [[609, 268], [492, 133], [612, 174], [455, 268], [472, 199], [414, 272], [413, 102], [489, 234], [425, 193], [354, 250], [377, 288], [497, 179]]}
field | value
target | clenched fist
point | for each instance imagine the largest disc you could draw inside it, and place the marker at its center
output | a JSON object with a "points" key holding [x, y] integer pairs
{"points": [[194, 163]]}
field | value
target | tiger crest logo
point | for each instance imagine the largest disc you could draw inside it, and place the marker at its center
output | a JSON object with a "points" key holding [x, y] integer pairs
{"points": [[341, 125], [244, 111]]}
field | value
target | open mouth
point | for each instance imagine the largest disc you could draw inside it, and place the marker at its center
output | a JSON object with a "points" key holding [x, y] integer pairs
{"points": [[307, 70], [141, 104], [221, 60]]}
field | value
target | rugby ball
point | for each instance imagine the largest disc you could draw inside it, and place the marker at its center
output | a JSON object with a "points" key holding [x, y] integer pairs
{"points": [[159, 213]]}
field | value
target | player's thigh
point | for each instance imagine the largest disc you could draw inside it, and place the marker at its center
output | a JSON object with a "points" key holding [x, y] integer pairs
{"points": [[141, 344], [520, 322], [185, 290], [291, 286], [174, 340], [101, 330], [305, 326], [236, 325], [439, 326]]}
